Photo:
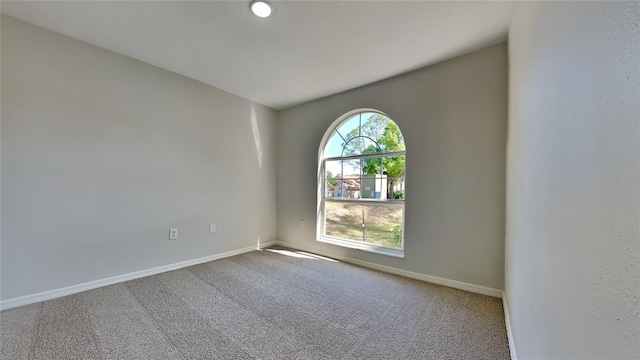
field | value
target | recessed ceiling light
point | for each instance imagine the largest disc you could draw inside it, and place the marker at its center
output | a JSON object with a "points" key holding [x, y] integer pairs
{"points": [[260, 8]]}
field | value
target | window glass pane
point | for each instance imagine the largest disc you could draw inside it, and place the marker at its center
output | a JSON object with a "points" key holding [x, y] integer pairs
{"points": [[394, 166], [396, 186], [383, 177], [342, 178], [365, 133], [343, 220], [370, 178], [394, 170], [382, 223], [392, 139], [374, 187], [332, 177], [333, 169], [351, 168], [372, 166], [350, 128], [334, 146], [349, 188], [374, 125], [360, 145]]}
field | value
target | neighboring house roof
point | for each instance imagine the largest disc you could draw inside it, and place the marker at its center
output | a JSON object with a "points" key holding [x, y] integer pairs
{"points": [[348, 182]]}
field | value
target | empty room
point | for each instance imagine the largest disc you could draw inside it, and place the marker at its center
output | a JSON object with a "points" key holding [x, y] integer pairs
{"points": [[310, 179]]}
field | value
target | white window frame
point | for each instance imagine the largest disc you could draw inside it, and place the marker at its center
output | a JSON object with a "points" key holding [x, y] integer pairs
{"points": [[322, 199]]}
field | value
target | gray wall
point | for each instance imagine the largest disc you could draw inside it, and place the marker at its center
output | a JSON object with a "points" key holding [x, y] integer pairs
{"points": [[573, 209], [454, 119], [102, 154]]}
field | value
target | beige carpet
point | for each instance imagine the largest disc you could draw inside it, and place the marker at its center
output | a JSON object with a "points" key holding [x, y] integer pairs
{"points": [[269, 304]]}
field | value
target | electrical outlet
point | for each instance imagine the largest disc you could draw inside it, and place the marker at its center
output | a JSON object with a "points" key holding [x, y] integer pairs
{"points": [[173, 234], [302, 225], [212, 228]]}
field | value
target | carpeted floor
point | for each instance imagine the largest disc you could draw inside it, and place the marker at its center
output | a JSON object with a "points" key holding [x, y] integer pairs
{"points": [[269, 304]]}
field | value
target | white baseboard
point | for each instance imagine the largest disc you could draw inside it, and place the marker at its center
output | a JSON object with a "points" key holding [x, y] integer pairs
{"points": [[56, 293], [413, 275], [268, 244], [507, 321]]}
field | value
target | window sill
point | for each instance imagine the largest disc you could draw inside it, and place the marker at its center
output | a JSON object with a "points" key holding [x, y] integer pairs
{"points": [[398, 253]]}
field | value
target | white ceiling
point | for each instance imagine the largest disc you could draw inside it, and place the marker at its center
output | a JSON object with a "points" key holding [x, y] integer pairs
{"points": [[306, 50]]}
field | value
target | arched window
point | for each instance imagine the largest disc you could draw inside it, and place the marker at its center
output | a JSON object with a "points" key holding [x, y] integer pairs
{"points": [[361, 183]]}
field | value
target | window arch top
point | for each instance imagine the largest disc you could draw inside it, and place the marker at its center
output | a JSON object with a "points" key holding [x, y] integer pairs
{"points": [[364, 133], [361, 183]]}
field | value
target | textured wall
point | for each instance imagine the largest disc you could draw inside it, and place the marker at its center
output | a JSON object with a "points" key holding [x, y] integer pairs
{"points": [[573, 209], [102, 154], [453, 116]]}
